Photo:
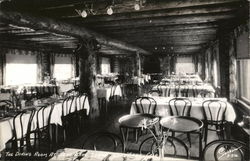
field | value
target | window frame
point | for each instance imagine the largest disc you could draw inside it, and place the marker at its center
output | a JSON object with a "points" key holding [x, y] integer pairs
{"points": [[241, 99]]}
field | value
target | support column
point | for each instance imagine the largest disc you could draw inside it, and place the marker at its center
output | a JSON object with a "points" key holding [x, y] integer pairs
{"points": [[45, 65], [88, 66], [2, 66], [224, 43]]}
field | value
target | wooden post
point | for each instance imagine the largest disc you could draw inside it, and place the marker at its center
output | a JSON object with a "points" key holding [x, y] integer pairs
{"points": [[224, 43], [45, 64], [2, 64], [88, 66]]}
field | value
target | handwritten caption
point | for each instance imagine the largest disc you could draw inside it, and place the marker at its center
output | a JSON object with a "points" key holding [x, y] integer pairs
{"points": [[28, 155]]}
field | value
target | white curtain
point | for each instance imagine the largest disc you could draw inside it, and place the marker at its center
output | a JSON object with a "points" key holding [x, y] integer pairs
{"points": [[185, 65], [20, 69], [105, 65], [62, 67]]}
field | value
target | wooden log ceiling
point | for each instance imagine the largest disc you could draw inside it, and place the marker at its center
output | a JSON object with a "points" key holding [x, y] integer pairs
{"points": [[160, 26]]}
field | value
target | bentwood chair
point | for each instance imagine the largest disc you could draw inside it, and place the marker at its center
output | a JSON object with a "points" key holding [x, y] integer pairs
{"points": [[205, 94], [226, 150], [154, 93], [145, 105], [43, 136], [184, 91], [6, 105], [81, 112], [214, 117], [113, 97], [180, 107], [172, 91], [20, 141], [69, 119], [104, 141]]}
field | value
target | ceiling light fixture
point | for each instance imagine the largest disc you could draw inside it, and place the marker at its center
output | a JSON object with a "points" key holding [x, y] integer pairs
{"points": [[82, 13], [110, 7], [88, 9], [110, 10], [139, 4]]}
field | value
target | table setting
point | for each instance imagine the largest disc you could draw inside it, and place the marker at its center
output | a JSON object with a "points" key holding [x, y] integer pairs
{"points": [[162, 108], [6, 118], [71, 154]]}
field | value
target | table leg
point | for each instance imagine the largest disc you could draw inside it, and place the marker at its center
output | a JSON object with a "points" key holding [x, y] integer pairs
{"points": [[200, 145], [123, 139]]}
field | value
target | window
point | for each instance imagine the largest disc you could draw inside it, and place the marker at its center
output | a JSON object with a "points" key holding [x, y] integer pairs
{"points": [[185, 65], [244, 79], [62, 68], [20, 69], [105, 65]]}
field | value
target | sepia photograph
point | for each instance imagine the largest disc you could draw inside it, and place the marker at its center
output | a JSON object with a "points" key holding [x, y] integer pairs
{"points": [[124, 80]]}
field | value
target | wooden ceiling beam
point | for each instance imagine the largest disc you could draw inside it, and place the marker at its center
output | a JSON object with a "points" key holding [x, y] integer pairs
{"points": [[164, 33], [194, 19], [194, 10], [180, 27], [173, 48], [58, 27], [128, 5], [169, 38], [115, 52], [169, 44], [33, 46]]}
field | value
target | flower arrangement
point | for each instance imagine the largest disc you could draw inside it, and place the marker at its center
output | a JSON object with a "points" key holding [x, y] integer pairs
{"points": [[159, 136]]}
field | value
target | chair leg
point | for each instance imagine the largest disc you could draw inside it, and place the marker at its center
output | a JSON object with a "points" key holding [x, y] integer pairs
{"points": [[189, 139], [205, 135], [136, 135], [200, 145]]}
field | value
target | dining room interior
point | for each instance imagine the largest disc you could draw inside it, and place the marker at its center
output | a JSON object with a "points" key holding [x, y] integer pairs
{"points": [[111, 80]]}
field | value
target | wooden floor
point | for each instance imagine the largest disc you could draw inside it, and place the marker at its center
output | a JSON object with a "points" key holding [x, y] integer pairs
{"points": [[110, 124]]}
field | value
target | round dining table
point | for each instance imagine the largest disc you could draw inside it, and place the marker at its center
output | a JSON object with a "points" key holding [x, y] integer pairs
{"points": [[135, 122], [184, 124]]}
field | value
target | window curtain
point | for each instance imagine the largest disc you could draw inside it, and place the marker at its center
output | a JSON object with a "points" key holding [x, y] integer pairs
{"points": [[62, 67], [39, 67], [21, 67], [242, 41], [73, 66], [232, 70], [105, 65], [215, 65], [52, 64]]}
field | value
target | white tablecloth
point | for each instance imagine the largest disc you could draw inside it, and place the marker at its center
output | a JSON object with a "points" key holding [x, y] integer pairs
{"points": [[5, 96], [106, 92], [65, 87], [184, 78], [198, 88], [6, 125], [163, 109]]}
